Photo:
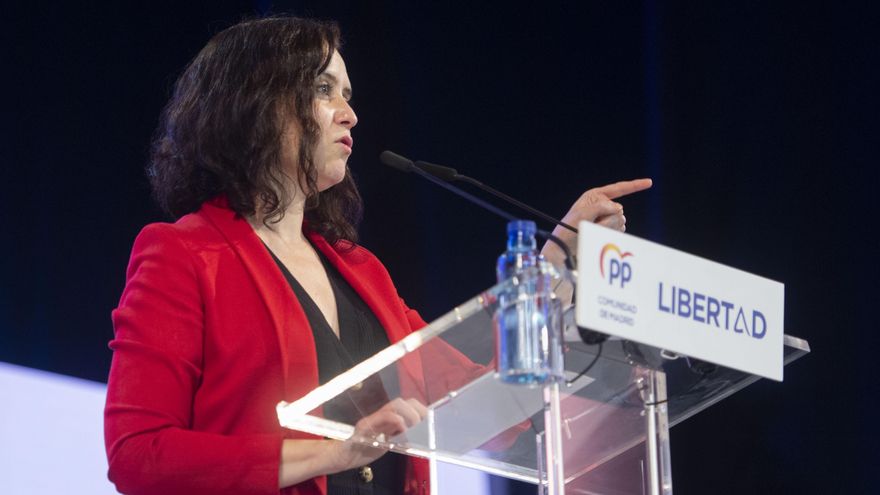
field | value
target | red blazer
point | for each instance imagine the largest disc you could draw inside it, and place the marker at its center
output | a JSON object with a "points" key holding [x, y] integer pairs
{"points": [[209, 338]]}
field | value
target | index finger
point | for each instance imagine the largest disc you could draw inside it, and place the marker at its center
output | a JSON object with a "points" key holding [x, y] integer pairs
{"points": [[622, 188]]}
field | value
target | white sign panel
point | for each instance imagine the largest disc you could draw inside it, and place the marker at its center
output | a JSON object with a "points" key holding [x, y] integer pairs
{"points": [[645, 292]]}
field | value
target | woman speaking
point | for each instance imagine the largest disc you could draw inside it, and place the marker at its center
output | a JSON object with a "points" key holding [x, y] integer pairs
{"points": [[258, 292]]}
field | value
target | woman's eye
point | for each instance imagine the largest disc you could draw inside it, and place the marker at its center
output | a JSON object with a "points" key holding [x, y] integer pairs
{"points": [[324, 88]]}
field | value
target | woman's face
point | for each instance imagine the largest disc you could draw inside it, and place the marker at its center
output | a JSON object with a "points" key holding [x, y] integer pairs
{"points": [[336, 118]]}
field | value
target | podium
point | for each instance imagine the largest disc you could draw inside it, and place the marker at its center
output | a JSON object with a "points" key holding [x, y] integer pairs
{"points": [[604, 429]]}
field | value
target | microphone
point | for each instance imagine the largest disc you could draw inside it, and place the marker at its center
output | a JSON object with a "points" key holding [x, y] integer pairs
{"points": [[396, 161], [404, 164], [449, 174]]}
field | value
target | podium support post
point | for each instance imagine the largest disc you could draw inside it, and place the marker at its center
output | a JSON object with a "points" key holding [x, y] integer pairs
{"points": [[553, 458], [659, 468]]}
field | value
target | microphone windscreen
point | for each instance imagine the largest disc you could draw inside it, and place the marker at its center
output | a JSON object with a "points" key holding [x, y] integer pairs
{"points": [[394, 160]]}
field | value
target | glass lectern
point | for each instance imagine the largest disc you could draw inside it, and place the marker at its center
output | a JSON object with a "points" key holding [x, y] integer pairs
{"points": [[603, 429]]}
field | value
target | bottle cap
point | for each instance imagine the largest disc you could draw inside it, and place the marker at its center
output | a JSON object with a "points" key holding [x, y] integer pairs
{"points": [[527, 227]]}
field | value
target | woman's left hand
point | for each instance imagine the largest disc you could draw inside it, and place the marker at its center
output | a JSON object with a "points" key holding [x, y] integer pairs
{"points": [[597, 205]]}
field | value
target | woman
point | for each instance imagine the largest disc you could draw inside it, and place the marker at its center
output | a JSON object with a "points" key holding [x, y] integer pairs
{"points": [[258, 292]]}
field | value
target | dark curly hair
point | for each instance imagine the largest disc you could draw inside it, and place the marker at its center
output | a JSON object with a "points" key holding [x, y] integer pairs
{"points": [[221, 132]]}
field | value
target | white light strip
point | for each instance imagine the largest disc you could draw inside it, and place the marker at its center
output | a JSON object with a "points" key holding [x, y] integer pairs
{"points": [[44, 417]]}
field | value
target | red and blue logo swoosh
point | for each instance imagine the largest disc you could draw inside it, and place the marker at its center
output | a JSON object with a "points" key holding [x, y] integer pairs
{"points": [[605, 249]]}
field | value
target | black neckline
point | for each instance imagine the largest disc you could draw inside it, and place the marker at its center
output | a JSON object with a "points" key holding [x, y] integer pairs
{"points": [[309, 305]]}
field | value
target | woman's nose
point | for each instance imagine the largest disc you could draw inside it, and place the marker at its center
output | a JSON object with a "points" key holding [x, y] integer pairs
{"points": [[345, 115]]}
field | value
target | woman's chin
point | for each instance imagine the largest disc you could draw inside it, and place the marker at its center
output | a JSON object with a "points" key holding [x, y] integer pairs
{"points": [[327, 181]]}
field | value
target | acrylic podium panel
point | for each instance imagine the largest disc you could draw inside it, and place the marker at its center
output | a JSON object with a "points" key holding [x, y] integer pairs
{"points": [[690, 387], [612, 421]]}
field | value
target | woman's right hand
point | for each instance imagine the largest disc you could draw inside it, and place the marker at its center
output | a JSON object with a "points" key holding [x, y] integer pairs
{"points": [[305, 459], [392, 419]]}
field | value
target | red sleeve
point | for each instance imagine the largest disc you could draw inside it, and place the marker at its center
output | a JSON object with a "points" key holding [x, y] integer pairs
{"points": [[413, 318], [445, 368], [156, 370], [457, 370]]}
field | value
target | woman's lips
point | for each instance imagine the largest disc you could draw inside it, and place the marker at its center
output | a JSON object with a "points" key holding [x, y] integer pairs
{"points": [[347, 142]]}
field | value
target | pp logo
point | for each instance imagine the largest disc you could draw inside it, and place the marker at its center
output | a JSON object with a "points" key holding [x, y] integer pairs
{"points": [[619, 270]]}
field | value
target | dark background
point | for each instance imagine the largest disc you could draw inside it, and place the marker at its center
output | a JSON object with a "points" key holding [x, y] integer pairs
{"points": [[757, 121]]}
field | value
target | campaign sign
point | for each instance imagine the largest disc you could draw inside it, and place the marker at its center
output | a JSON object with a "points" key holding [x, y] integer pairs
{"points": [[648, 293]]}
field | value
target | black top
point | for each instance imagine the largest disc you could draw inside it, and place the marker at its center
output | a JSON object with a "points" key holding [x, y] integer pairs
{"points": [[361, 335]]}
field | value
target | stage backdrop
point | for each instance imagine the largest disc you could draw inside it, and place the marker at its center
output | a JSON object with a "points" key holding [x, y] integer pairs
{"points": [[756, 120]]}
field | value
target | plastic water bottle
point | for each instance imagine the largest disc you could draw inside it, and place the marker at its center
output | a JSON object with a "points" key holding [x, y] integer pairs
{"points": [[525, 339]]}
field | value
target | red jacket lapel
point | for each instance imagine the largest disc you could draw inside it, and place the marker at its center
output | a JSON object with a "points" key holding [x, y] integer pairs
{"points": [[368, 278], [290, 322], [371, 281], [359, 268]]}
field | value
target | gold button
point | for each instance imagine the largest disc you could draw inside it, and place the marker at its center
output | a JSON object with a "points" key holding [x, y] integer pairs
{"points": [[366, 473], [357, 386]]}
